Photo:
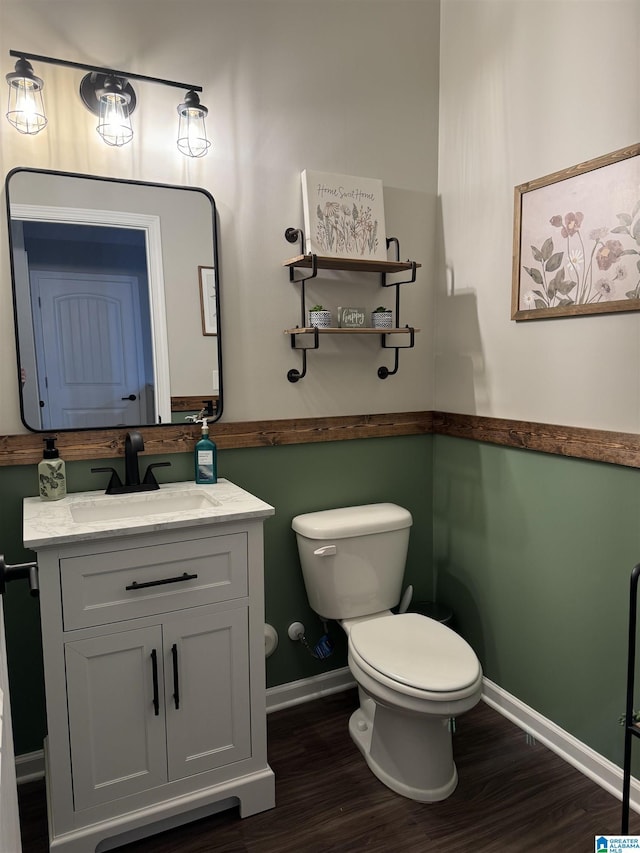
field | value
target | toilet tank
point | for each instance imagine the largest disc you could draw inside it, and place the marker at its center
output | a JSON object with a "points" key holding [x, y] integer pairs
{"points": [[353, 559]]}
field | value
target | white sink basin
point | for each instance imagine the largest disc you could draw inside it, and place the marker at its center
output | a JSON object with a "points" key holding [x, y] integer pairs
{"points": [[91, 516], [141, 506]]}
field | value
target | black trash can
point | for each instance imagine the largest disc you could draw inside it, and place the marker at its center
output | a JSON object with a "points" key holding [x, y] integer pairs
{"points": [[434, 610]]}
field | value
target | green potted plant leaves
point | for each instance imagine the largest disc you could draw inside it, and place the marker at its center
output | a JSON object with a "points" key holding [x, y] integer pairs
{"points": [[382, 318], [319, 316]]}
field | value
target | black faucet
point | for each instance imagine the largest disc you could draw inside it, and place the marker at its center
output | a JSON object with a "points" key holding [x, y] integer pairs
{"points": [[133, 444]]}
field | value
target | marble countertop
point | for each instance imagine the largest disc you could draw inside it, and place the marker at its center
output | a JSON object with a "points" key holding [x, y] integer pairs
{"points": [[94, 515]]}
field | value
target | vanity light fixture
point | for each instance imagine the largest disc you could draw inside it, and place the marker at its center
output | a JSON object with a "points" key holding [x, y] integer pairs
{"points": [[107, 93], [26, 105], [113, 100], [192, 133]]}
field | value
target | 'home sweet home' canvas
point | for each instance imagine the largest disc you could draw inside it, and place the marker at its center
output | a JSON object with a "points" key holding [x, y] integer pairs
{"points": [[343, 216]]}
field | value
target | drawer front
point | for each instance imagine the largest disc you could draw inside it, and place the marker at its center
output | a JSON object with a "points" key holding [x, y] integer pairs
{"points": [[98, 589]]}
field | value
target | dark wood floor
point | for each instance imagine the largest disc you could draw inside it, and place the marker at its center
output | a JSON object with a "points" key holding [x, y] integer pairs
{"points": [[512, 797]]}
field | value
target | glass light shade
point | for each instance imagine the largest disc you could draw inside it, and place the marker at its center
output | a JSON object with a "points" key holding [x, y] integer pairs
{"points": [[26, 105], [192, 133], [114, 122]]}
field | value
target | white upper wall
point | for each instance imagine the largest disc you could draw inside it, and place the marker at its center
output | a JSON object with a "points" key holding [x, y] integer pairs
{"points": [[527, 88], [346, 86]]}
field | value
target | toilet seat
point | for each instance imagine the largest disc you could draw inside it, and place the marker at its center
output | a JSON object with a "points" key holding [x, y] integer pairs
{"points": [[416, 656]]}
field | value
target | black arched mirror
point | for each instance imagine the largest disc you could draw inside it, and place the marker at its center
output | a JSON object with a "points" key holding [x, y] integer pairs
{"points": [[116, 299]]}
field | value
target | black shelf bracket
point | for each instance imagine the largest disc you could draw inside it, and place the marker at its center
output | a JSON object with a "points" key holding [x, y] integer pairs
{"points": [[294, 235], [414, 266], [384, 372], [295, 375]]}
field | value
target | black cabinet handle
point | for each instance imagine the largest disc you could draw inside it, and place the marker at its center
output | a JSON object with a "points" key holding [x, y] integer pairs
{"points": [[182, 577], [154, 671], [176, 685]]}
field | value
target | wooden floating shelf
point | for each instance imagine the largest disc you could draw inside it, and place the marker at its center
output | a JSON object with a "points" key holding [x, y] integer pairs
{"points": [[309, 330], [313, 263], [349, 264]]}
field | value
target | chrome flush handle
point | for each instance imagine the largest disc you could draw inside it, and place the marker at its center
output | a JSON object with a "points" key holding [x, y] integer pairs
{"points": [[325, 551]]}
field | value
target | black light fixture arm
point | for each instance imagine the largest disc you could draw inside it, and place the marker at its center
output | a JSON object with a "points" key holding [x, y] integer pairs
{"points": [[109, 72]]}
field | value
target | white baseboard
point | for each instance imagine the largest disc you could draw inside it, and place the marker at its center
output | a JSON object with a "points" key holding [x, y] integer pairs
{"points": [[589, 762], [600, 770], [306, 689]]}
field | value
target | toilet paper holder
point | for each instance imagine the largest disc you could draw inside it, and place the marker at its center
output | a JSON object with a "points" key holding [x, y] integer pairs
{"points": [[17, 572]]}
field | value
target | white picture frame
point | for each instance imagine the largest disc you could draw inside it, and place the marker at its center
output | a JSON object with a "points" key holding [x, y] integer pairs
{"points": [[207, 285]]}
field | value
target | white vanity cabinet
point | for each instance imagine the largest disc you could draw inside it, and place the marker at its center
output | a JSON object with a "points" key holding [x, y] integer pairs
{"points": [[153, 645]]}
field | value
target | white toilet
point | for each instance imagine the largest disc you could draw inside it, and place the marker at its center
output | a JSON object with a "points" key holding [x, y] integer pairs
{"points": [[413, 673]]}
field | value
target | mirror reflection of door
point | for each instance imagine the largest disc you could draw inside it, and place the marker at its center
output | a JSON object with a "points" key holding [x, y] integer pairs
{"points": [[90, 358], [179, 226], [93, 352]]}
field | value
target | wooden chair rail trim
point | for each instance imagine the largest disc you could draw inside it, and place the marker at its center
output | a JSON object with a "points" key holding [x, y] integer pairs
{"points": [[105, 444], [191, 404], [618, 448], [597, 445]]}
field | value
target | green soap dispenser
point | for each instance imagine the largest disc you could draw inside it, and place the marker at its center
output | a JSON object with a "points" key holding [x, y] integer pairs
{"points": [[52, 476], [206, 458]]}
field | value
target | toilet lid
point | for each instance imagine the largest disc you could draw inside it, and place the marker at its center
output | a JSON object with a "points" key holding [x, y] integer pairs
{"points": [[417, 651]]}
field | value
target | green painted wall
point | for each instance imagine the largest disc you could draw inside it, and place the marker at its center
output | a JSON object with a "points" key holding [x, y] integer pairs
{"points": [[294, 479], [534, 552]]}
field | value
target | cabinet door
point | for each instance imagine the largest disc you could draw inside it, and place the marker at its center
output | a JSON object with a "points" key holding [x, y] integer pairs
{"points": [[207, 691], [117, 731]]}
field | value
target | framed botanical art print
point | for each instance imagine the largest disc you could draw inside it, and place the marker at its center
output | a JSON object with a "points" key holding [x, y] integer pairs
{"points": [[576, 240]]}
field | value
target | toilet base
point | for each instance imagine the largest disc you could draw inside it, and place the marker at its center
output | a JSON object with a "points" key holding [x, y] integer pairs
{"points": [[411, 754]]}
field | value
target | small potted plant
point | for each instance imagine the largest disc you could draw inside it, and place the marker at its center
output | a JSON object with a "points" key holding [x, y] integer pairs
{"points": [[382, 318], [319, 316]]}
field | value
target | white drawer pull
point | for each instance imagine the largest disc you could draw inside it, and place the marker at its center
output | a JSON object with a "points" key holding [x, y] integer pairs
{"points": [[326, 551]]}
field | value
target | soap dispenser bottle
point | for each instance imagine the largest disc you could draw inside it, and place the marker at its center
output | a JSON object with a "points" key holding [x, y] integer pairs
{"points": [[206, 462], [52, 477]]}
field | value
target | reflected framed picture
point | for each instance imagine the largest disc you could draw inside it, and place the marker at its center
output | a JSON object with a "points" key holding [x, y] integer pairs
{"points": [[207, 284], [576, 240]]}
